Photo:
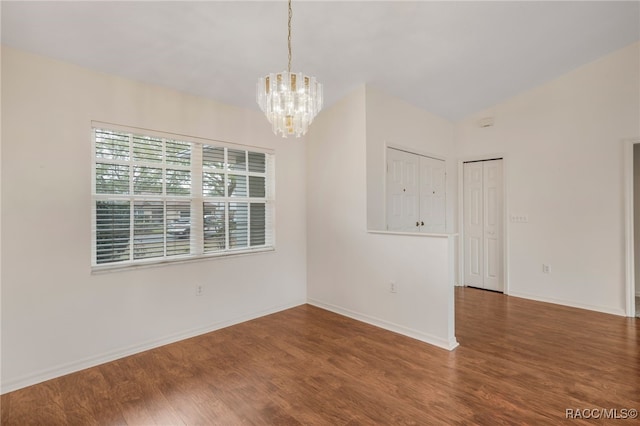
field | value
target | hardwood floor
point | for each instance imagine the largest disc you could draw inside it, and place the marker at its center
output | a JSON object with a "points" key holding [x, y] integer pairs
{"points": [[520, 362]]}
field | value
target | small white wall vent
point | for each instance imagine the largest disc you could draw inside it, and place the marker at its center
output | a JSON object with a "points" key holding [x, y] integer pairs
{"points": [[485, 122]]}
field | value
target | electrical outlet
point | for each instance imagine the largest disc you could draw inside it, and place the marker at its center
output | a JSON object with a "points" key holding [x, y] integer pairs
{"points": [[519, 218], [199, 290], [546, 268], [393, 287]]}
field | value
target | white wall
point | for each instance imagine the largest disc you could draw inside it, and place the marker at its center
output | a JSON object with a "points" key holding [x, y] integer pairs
{"points": [[349, 269], [58, 317], [564, 169], [391, 121]]}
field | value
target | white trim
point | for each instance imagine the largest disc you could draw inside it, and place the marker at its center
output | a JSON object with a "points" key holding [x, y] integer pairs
{"points": [[449, 345], [569, 303], [196, 197], [92, 138], [505, 219], [384, 188], [153, 263], [411, 150], [461, 222], [411, 234], [627, 159], [451, 303], [183, 138], [92, 361]]}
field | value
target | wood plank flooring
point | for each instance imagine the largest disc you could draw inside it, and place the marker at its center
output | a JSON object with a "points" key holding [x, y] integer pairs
{"points": [[520, 362]]}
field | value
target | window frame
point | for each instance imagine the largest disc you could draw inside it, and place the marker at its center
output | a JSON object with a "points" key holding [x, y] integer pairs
{"points": [[196, 198]]}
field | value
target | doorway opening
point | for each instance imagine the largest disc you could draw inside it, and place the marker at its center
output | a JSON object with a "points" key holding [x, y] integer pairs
{"points": [[483, 220], [632, 213]]}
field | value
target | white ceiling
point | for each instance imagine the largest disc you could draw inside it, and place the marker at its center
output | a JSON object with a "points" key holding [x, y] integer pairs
{"points": [[449, 58]]}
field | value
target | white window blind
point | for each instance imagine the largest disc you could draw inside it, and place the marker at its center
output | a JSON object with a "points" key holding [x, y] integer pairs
{"points": [[158, 199]]}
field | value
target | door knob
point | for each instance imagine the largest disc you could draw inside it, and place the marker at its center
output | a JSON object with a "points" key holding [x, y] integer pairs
{"points": [[422, 223], [417, 223]]}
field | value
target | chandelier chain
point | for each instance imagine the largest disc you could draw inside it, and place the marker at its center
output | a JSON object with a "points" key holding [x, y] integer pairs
{"points": [[289, 38]]}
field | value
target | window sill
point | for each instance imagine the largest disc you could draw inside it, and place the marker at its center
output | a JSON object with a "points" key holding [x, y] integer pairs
{"points": [[107, 268]]}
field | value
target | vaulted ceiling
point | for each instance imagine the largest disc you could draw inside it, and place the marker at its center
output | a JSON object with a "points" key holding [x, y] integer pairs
{"points": [[449, 58]]}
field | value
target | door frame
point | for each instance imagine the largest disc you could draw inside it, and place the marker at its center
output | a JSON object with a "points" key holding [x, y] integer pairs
{"points": [[630, 272], [505, 218]]}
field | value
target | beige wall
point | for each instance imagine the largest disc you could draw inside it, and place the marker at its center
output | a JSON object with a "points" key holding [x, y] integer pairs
{"points": [[56, 315], [563, 166], [393, 122], [563, 151]]}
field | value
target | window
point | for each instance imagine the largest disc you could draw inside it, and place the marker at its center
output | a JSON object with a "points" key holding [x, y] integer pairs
{"points": [[160, 198]]}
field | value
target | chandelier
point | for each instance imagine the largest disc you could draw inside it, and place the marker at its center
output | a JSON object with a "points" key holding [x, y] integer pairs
{"points": [[289, 100]]}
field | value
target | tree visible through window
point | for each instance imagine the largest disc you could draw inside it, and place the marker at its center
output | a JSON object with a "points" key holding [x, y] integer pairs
{"points": [[160, 198]]}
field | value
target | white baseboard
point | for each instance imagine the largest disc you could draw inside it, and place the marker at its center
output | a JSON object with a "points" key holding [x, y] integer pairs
{"points": [[603, 309], [386, 325], [72, 367]]}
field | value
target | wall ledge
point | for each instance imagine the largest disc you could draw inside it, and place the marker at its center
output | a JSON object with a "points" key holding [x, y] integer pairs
{"points": [[412, 234]]}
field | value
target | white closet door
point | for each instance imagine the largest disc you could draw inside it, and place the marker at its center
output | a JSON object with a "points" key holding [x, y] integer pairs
{"points": [[493, 199], [483, 224], [432, 195], [402, 191], [473, 225]]}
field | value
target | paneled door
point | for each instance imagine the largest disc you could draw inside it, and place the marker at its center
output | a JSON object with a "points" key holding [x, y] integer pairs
{"points": [[473, 225], [416, 199], [483, 224], [402, 191], [432, 195]]}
